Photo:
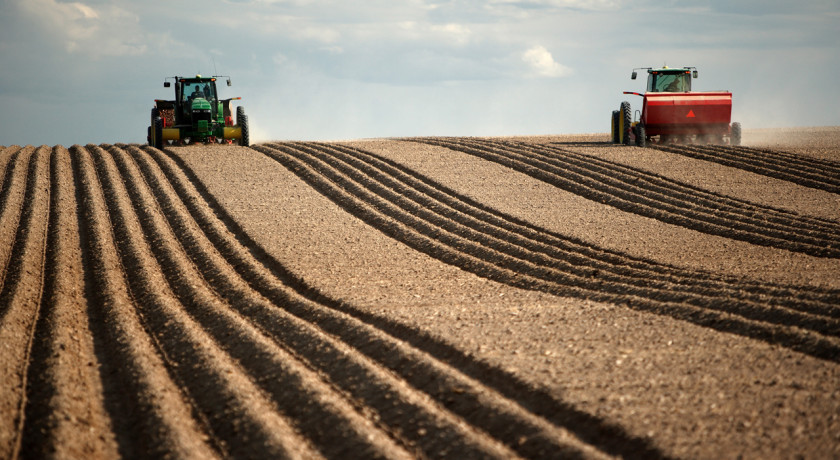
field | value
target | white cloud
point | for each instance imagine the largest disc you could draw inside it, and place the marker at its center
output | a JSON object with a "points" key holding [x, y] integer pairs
{"points": [[106, 30], [458, 32], [87, 11], [543, 64]]}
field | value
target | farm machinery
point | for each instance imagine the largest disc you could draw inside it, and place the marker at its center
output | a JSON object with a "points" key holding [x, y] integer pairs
{"points": [[673, 113], [196, 115]]}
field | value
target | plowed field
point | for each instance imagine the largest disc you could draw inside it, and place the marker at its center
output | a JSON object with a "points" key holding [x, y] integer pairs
{"points": [[534, 297]]}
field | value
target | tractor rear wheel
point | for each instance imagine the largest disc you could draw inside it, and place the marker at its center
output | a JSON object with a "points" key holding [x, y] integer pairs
{"points": [[641, 139], [614, 127], [625, 120], [242, 121], [735, 134], [157, 133], [240, 112]]}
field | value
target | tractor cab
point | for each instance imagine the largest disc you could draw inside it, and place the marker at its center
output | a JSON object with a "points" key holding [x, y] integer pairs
{"points": [[197, 89], [667, 80], [197, 100]]}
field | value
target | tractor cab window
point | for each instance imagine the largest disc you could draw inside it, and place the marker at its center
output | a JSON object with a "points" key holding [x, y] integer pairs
{"points": [[199, 89], [669, 82]]}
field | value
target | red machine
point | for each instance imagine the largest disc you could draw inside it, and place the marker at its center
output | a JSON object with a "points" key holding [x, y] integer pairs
{"points": [[672, 113]]}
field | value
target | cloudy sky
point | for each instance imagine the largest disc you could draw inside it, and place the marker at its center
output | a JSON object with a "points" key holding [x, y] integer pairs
{"points": [[88, 71]]}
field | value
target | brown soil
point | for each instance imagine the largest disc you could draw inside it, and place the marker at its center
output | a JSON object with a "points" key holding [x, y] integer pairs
{"points": [[552, 296]]}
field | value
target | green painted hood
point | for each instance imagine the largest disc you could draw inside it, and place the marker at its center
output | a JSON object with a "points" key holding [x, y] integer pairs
{"points": [[200, 103]]}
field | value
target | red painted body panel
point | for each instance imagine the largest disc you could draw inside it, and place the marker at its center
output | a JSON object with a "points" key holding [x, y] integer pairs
{"points": [[687, 113]]}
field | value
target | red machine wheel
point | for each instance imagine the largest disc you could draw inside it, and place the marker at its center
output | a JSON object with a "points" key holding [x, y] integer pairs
{"points": [[641, 135], [735, 134]]}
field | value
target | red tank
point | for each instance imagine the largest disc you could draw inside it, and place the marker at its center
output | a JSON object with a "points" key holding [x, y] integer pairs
{"points": [[672, 113]]}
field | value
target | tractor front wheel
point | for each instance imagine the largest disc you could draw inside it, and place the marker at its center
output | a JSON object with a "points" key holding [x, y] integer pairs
{"points": [[614, 127], [157, 133], [625, 120]]}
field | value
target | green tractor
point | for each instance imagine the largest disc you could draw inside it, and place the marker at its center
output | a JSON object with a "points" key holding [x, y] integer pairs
{"points": [[196, 115]]}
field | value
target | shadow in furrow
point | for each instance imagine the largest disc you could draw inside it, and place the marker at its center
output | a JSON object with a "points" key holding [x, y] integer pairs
{"points": [[64, 417], [12, 205], [736, 209], [21, 297], [556, 263], [756, 323], [149, 415], [6, 186], [246, 424], [805, 171], [588, 259], [347, 372], [269, 366], [38, 426], [605, 436], [638, 193]]}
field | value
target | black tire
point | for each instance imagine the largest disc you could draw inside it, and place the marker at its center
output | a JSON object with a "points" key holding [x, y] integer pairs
{"points": [[157, 138], [149, 135], [240, 112], [625, 119], [614, 127], [242, 121], [155, 114], [735, 134], [641, 135]]}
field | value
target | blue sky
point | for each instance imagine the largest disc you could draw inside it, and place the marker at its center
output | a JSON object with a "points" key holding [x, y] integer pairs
{"points": [[88, 71]]}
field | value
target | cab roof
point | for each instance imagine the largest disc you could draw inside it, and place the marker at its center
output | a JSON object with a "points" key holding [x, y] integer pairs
{"points": [[670, 70], [197, 78]]}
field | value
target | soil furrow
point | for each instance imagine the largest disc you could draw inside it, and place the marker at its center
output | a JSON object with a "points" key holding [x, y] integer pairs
{"points": [[630, 194], [787, 158], [7, 155], [11, 205], [150, 415], [702, 203], [65, 415], [240, 415], [808, 172], [348, 371], [762, 216], [783, 160], [496, 250], [706, 205], [426, 237], [506, 237], [809, 167], [825, 302], [470, 401], [270, 366], [20, 298], [633, 199]]}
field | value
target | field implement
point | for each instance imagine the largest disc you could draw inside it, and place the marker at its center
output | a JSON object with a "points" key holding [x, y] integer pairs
{"points": [[673, 113], [196, 115]]}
